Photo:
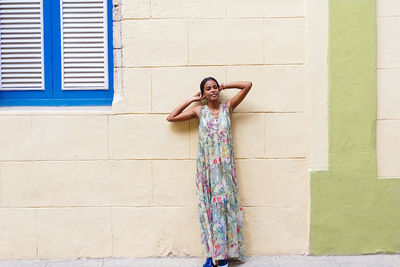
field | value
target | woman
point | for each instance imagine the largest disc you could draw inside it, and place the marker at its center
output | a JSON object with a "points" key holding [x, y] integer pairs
{"points": [[219, 206]]}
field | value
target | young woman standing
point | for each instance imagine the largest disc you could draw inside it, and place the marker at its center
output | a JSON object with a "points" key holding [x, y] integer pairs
{"points": [[219, 206]]}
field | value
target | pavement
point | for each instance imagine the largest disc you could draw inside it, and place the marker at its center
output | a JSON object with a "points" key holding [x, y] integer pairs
{"points": [[375, 260]]}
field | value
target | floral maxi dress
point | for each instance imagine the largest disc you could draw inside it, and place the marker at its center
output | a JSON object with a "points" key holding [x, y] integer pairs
{"points": [[219, 206]]}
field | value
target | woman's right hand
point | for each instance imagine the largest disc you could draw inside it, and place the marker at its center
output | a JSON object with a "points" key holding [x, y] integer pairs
{"points": [[196, 97]]}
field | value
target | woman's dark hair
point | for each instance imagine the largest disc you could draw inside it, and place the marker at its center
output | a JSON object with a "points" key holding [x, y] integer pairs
{"points": [[203, 82]]}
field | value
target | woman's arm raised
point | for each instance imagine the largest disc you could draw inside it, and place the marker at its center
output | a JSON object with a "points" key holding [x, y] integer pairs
{"points": [[236, 99], [178, 115]]}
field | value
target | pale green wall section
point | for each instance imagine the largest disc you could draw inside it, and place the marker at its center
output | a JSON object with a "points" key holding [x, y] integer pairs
{"points": [[352, 211]]}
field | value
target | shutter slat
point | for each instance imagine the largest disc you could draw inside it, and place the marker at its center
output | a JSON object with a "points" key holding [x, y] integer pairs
{"points": [[85, 86], [84, 60], [20, 26], [18, 35], [22, 51], [81, 5], [19, 85], [84, 44], [15, 60], [77, 65], [24, 21], [7, 31], [22, 75], [83, 20], [80, 1], [80, 40], [72, 74], [83, 55], [83, 15], [23, 6], [72, 29], [83, 80], [20, 11], [81, 50], [21, 71], [17, 66], [27, 45], [82, 70], [27, 80], [91, 9], [18, 1], [17, 16], [83, 35], [19, 56], [21, 45], [83, 25]]}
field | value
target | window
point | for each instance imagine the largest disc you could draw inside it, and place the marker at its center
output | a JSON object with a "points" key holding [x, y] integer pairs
{"points": [[56, 52]]}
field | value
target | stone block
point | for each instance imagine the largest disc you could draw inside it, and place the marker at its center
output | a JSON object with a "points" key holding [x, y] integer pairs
{"points": [[273, 182], [135, 9], [387, 146], [154, 42], [114, 183], [74, 232], [69, 137], [227, 41], [388, 96], [388, 42], [148, 137], [285, 135], [194, 138], [135, 94], [273, 230], [16, 138], [38, 184], [117, 35], [285, 40], [161, 231], [174, 183], [18, 234], [248, 134], [172, 86], [270, 8], [388, 8], [188, 8], [275, 88]]}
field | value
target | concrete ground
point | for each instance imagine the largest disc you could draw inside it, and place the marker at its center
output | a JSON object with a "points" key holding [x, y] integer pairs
{"points": [[268, 261]]}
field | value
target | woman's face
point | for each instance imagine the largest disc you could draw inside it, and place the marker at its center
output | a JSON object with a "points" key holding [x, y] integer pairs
{"points": [[211, 91]]}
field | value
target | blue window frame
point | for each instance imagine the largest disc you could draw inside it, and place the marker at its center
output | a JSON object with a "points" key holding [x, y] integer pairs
{"points": [[53, 94]]}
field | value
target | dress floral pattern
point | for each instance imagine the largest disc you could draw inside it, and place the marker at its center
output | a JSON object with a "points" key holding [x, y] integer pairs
{"points": [[219, 205]]}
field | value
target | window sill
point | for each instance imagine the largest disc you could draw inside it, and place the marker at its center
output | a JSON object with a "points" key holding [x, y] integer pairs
{"points": [[64, 110]]}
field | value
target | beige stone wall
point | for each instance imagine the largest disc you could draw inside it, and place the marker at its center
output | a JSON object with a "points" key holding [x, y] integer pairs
{"points": [[388, 97], [119, 181]]}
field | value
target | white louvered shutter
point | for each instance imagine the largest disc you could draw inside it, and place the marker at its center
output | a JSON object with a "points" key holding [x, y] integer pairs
{"points": [[84, 44], [21, 46]]}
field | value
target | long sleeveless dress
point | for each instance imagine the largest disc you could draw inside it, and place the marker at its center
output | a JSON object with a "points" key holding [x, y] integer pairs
{"points": [[219, 205]]}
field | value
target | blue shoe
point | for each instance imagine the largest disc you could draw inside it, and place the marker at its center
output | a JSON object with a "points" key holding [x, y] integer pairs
{"points": [[223, 263], [209, 263]]}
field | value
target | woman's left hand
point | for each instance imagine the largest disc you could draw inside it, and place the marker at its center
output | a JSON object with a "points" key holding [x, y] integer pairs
{"points": [[221, 87]]}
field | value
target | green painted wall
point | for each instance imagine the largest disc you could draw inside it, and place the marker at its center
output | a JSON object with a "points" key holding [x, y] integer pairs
{"points": [[352, 211]]}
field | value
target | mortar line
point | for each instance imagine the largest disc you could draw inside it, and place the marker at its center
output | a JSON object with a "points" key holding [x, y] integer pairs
{"points": [[152, 182], [188, 42], [151, 90], [144, 159], [112, 233], [108, 137], [263, 40], [36, 234], [219, 18]]}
